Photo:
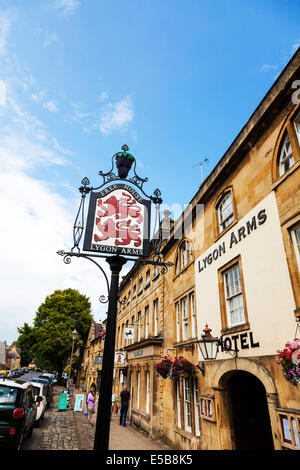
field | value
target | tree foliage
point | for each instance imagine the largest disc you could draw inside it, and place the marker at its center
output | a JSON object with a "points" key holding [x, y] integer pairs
{"points": [[25, 342], [50, 339]]}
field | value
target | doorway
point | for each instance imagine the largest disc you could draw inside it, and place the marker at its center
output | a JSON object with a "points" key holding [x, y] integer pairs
{"points": [[250, 421]]}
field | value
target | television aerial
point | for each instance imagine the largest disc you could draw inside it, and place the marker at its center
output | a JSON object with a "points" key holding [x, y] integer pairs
{"points": [[201, 165]]}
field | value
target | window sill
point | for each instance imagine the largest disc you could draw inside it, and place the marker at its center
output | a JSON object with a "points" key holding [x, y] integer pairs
{"points": [[183, 270], [282, 178], [235, 329], [147, 285], [186, 434], [220, 234]]}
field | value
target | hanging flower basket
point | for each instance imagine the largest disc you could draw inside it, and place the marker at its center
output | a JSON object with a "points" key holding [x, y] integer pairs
{"points": [[289, 360], [124, 161], [163, 367], [182, 367]]}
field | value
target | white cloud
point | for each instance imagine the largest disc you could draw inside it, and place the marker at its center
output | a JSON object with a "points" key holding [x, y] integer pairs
{"points": [[38, 223], [116, 116], [66, 7], [268, 67], [103, 97], [4, 31], [50, 106], [295, 47], [50, 38]]}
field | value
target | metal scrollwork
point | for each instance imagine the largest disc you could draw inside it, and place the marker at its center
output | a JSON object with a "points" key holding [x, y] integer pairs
{"points": [[136, 179], [103, 299], [67, 257]]}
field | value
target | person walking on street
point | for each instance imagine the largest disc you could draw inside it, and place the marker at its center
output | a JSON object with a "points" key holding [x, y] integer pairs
{"points": [[112, 402], [91, 403], [125, 397]]}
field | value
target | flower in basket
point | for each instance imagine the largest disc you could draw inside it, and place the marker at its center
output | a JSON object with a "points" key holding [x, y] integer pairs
{"points": [[164, 366], [124, 161], [182, 367], [289, 360]]}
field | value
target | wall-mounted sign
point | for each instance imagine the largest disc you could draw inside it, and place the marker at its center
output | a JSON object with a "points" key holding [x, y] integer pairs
{"points": [[233, 239], [128, 333], [98, 360], [138, 353], [118, 222], [119, 358], [239, 341]]}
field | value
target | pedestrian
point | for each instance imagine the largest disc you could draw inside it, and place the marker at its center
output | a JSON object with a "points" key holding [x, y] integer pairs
{"points": [[112, 402], [125, 397], [91, 403]]}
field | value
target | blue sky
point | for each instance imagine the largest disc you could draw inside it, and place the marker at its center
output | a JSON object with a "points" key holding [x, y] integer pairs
{"points": [[176, 81]]}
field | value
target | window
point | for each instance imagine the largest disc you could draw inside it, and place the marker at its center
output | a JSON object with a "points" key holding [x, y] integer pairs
{"points": [[147, 278], [295, 234], [197, 408], [185, 319], [133, 326], [184, 256], [225, 212], [147, 392], [233, 296], [147, 321], [297, 126], [127, 326], [286, 157], [287, 148], [187, 405], [177, 321], [193, 314], [138, 390], [178, 396], [207, 408], [139, 325], [155, 304], [140, 286], [134, 292], [290, 429]]}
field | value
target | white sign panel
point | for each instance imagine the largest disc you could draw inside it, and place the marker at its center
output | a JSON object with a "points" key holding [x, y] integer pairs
{"points": [[118, 222], [119, 358], [128, 333]]}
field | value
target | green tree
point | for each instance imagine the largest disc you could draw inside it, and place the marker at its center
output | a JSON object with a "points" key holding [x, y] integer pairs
{"points": [[54, 322], [25, 342]]}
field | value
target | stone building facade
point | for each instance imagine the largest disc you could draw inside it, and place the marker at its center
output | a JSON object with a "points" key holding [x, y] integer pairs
{"points": [[91, 366], [236, 268]]}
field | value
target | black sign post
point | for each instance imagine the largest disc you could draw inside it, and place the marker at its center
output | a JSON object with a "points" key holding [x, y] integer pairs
{"points": [[104, 404], [117, 224]]}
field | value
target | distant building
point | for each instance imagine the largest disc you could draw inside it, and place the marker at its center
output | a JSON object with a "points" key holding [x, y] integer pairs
{"points": [[91, 366], [13, 357]]}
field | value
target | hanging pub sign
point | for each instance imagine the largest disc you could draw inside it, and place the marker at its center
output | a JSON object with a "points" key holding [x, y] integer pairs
{"points": [[119, 357], [118, 222]]}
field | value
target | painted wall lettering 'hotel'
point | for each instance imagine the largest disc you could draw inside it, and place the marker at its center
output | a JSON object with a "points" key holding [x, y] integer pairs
{"points": [[237, 270]]}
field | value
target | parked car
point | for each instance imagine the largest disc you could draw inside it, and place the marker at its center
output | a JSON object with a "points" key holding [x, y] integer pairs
{"points": [[40, 390], [17, 412], [47, 378], [48, 390], [52, 376]]}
